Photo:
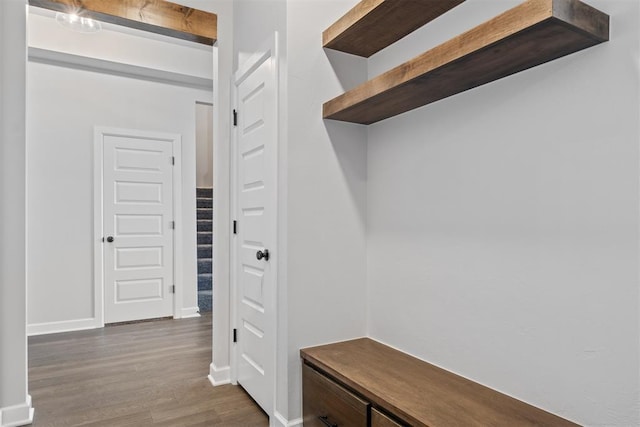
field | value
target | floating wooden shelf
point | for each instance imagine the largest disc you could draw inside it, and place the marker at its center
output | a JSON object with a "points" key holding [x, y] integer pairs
{"points": [[373, 25], [528, 35]]}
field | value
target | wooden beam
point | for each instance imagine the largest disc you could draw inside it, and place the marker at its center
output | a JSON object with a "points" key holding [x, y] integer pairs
{"points": [[156, 16]]}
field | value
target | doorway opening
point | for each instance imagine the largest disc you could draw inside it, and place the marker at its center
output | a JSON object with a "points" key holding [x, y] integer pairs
{"points": [[78, 82], [204, 204]]}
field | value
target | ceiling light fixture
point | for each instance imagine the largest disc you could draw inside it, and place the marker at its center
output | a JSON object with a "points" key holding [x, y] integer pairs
{"points": [[78, 23]]}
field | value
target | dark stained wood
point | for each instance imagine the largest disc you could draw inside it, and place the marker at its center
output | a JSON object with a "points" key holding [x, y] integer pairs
{"points": [[156, 16], [373, 25], [419, 393], [528, 35], [378, 419], [145, 374], [324, 398]]}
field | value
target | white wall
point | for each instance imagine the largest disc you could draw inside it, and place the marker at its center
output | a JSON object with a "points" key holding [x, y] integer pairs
{"points": [[322, 263], [64, 105], [503, 225], [223, 68], [204, 145], [15, 403], [327, 195]]}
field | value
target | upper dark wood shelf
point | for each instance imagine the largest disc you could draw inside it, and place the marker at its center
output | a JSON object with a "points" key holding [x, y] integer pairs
{"points": [[373, 25], [419, 393], [528, 35]]}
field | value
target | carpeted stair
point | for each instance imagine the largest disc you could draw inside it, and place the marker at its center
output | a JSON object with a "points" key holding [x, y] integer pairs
{"points": [[205, 248]]}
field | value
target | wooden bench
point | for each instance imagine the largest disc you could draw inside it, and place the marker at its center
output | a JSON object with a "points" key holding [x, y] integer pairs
{"points": [[364, 383]]}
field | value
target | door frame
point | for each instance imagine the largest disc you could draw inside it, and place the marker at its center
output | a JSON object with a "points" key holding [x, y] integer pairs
{"points": [[98, 218], [268, 52]]}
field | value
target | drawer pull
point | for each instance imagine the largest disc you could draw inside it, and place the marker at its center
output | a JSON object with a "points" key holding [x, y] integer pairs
{"points": [[325, 421]]}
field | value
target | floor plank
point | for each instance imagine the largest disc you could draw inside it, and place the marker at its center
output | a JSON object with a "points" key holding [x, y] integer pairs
{"points": [[144, 374]]}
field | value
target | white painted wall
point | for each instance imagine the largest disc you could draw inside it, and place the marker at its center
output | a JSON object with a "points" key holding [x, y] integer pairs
{"points": [[222, 69], [327, 195], [204, 145], [15, 403], [322, 284], [64, 105], [503, 225]]}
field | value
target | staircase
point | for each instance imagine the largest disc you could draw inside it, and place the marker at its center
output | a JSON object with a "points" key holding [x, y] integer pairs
{"points": [[204, 209]]}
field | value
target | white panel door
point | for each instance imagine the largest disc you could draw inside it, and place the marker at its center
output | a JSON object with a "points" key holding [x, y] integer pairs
{"points": [[255, 188], [137, 215]]}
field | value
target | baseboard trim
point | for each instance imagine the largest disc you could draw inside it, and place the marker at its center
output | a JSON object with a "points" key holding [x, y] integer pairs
{"points": [[63, 326], [280, 421], [219, 376], [17, 415], [190, 312]]}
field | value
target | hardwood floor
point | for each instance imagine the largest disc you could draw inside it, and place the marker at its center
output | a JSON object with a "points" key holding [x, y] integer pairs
{"points": [[144, 374]]}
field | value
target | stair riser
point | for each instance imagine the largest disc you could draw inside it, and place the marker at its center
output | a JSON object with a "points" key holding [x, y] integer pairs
{"points": [[205, 301], [205, 225], [205, 214], [204, 266], [205, 282], [205, 251], [205, 238], [204, 203], [204, 192]]}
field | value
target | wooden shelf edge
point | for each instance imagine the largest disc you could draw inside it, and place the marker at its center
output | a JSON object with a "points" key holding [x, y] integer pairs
{"points": [[372, 25], [530, 34]]}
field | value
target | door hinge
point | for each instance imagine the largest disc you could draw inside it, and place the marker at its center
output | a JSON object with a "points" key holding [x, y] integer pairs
{"points": [[235, 227], [172, 289], [172, 225], [235, 335], [235, 117], [173, 160]]}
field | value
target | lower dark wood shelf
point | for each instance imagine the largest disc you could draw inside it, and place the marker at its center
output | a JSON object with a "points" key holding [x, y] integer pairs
{"points": [[528, 35]]}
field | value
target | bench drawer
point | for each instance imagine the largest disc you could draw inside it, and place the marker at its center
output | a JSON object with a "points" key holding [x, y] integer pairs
{"points": [[378, 419], [327, 404]]}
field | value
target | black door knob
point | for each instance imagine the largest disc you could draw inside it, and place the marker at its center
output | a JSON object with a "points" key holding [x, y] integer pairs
{"points": [[110, 239], [263, 254]]}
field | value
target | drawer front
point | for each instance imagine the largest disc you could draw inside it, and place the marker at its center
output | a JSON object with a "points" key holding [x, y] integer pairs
{"points": [[327, 404], [378, 419]]}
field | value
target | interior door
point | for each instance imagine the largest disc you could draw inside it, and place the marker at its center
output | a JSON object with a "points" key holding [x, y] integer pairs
{"points": [[256, 201], [137, 227]]}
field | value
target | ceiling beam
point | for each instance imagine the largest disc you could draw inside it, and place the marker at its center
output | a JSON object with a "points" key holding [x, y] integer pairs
{"points": [[156, 16]]}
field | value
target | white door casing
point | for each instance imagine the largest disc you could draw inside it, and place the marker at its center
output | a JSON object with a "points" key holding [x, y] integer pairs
{"points": [[254, 192], [134, 207]]}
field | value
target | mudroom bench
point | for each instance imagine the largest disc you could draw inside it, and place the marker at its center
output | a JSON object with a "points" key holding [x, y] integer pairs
{"points": [[365, 383]]}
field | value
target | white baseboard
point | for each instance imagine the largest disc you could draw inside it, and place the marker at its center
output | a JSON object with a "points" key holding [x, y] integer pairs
{"points": [[219, 376], [64, 326], [17, 415], [279, 421], [186, 313]]}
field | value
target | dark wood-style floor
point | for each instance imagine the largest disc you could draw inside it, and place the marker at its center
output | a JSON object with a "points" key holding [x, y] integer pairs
{"points": [[144, 374]]}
